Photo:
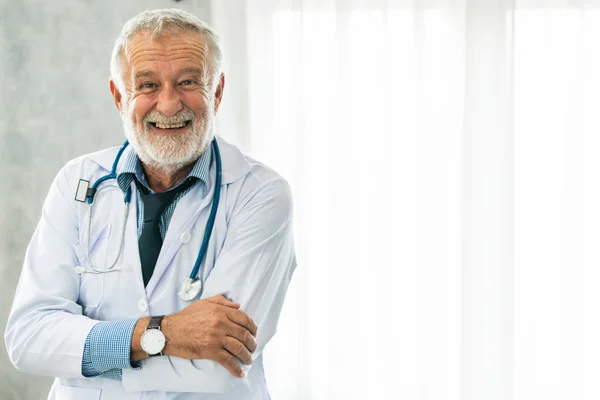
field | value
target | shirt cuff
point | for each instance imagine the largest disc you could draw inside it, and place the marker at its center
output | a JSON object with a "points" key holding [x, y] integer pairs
{"points": [[108, 347]]}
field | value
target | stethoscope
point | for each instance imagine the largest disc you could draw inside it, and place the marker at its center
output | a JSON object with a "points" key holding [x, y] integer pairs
{"points": [[191, 286]]}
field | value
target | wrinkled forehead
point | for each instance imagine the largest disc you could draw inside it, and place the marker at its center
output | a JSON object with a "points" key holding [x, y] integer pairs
{"points": [[171, 51]]}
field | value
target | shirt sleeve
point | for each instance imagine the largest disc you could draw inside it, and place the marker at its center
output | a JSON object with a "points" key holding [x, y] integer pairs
{"points": [[107, 349]]}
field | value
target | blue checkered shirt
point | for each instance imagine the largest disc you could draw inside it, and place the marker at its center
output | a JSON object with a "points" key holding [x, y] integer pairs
{"points": [[108, 345]]}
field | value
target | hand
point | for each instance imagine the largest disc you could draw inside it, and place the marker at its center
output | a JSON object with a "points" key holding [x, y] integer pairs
{"points": [[212, 329]]}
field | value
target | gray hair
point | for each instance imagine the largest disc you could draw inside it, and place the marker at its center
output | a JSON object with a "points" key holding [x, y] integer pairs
{"points": [[157, 22]]}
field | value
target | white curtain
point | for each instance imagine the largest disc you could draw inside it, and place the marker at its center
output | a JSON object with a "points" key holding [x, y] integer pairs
{"points": [[445, 161]]}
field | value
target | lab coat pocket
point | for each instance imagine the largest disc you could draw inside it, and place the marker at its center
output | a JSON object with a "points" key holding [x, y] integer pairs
{"points": [[91, 289], [77, 393]]}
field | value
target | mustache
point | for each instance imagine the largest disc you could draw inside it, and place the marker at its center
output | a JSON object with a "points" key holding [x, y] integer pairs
{"points": [[182, 116]]}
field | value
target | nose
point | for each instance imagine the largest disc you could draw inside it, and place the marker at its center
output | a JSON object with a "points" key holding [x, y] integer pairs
{"points": [[169, 101]]}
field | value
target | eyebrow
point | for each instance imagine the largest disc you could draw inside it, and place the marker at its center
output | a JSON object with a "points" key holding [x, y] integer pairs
{"points": [[149, 73], [143, 74], [195, 70]]}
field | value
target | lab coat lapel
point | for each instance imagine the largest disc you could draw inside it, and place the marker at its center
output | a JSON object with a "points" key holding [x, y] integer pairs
{"points": [[235, 164]]}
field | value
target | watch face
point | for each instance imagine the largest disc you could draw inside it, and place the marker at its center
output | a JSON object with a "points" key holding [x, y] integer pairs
{"points": [[153, 341]]}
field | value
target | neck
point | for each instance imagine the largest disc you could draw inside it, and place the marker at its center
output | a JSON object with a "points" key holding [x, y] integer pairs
{"points": [[161, 180]]}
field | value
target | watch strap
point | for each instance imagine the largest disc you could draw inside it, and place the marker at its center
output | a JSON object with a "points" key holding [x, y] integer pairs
{"points": [[155, 322]]}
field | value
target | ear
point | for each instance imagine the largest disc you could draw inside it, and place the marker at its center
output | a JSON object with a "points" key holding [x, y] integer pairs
{"points": [[117, 97], [219, 92]]}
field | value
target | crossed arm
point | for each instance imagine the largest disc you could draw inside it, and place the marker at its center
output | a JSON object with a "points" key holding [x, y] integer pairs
{"points": [[46, 330]]}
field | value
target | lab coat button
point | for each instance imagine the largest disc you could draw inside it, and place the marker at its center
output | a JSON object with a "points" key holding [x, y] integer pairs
{"points": [[186, 237], [142, 305]]}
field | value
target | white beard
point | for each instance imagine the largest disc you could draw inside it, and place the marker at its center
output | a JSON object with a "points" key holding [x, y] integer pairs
{"points": [[169, 153]]}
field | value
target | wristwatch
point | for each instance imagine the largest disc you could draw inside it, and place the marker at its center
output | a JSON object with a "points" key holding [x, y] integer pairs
{"points": [[153, 340]]}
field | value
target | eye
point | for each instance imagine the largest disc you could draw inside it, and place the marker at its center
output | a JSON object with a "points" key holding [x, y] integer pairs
{"points": [[187, 82], [147, 85]]}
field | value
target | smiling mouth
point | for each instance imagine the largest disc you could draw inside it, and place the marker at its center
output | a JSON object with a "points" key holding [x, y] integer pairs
{"points": [[178, 125]]}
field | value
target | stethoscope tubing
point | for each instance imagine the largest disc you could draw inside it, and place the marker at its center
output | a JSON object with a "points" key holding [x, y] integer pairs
{"points": [[113, 175], [213, 213]]}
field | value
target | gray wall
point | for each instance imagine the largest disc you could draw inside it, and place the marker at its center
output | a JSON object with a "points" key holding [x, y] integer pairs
{"points": [[54, 105]]}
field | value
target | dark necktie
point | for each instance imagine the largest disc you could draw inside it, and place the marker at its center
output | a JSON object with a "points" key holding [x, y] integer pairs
{"points": [[150, 240]]}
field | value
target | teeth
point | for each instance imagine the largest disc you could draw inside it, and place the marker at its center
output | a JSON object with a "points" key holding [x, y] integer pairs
{"points": [[170, 126]]}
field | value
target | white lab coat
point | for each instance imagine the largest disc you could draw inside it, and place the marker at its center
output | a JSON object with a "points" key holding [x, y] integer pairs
{"points": [[250, 260]]}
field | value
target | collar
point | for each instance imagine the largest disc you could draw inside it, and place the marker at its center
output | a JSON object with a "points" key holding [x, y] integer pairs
{"points": [[130, 166]]}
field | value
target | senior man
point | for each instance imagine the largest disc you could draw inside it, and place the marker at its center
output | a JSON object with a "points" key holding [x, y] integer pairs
{"points": [[109, 301]]}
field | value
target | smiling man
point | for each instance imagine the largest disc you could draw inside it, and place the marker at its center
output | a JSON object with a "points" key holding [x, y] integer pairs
{"points": [[177, 292]]}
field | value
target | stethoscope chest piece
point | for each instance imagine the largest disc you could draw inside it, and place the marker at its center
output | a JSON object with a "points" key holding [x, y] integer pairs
{"points": [[190, 288]]}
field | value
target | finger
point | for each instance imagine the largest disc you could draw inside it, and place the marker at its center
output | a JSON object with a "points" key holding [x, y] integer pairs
{"points": [[244, 336], [242, 319], [238, 349], [228, 361], [222, 300]]}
